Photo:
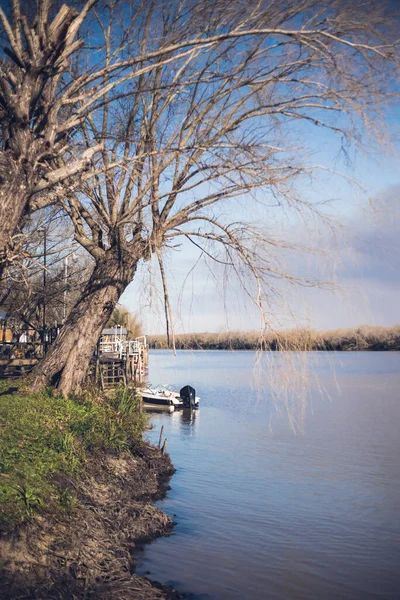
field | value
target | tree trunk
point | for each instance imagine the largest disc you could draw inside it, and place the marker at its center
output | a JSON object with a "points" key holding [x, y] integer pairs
{"points": [[68, 359], [13, 201]]}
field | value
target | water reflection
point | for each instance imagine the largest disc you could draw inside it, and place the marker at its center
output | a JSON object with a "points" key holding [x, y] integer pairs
{"points": [[181, 422], [188, 421]]}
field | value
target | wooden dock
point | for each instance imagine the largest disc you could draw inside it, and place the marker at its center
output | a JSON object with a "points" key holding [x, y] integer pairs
{"points": [[121, 362]]}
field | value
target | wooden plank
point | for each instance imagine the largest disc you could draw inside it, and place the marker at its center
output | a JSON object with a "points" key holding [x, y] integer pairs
{"points": [[18, 362]]}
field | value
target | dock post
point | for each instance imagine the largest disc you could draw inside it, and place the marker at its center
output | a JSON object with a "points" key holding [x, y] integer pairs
{"points": [[161, 434]]}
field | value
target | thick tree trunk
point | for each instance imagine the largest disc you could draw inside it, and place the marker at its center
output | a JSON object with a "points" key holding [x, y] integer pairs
{"points": [[68, 359], [13, 201]]}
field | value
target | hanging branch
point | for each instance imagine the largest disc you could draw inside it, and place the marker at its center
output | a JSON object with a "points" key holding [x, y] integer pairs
{"points": [[167, 305]]}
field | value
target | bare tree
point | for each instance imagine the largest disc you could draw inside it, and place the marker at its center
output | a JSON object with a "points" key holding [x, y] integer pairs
{"points": [[44, 283], [50, 80], [211, 128], [32, 135]]}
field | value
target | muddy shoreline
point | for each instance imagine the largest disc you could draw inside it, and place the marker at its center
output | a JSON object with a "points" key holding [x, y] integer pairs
{"points": [[89, 554]]}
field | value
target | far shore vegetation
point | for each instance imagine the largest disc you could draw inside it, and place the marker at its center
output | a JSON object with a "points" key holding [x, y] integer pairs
{"points": [[364, 337]]}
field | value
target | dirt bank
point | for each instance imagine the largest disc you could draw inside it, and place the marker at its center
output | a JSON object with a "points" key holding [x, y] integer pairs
{"points": [[88, 553]]}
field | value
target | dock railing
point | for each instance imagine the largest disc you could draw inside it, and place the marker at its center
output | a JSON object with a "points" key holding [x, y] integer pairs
{"points": [[122, 348], [115, 347], [132, 354]]}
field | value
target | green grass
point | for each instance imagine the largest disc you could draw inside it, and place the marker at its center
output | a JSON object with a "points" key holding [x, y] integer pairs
{"points": [[46, 440]]}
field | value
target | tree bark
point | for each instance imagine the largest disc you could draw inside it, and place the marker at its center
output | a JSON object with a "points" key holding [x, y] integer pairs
{"points": [[68, 359], [13, 201]]}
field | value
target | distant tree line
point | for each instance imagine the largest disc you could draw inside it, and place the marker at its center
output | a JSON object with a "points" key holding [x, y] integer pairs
{"points": [[365, 337]]}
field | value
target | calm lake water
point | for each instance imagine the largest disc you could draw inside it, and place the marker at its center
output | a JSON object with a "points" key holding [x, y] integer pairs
{"points": [[266, 513]]}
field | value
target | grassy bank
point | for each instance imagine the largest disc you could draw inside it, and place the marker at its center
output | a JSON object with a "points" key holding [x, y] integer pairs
{"points": [[77, 483], [364, 337], [46, 441]]}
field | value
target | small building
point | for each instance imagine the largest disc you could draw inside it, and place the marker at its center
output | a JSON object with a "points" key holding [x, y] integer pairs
{"points": [[110, 334]]}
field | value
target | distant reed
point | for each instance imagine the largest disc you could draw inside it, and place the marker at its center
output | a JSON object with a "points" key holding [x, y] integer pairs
{"points": [[364, 337]]}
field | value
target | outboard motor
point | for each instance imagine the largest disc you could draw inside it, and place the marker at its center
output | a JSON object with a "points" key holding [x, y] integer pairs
{"points": [[188, 395]]}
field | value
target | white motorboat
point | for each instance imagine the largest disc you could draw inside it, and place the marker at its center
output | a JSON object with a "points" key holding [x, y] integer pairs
{"points": [[156, 398], [166, 398]]}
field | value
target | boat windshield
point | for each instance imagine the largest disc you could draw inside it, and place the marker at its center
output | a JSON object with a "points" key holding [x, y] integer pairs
{"points": [[161, 389]]}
